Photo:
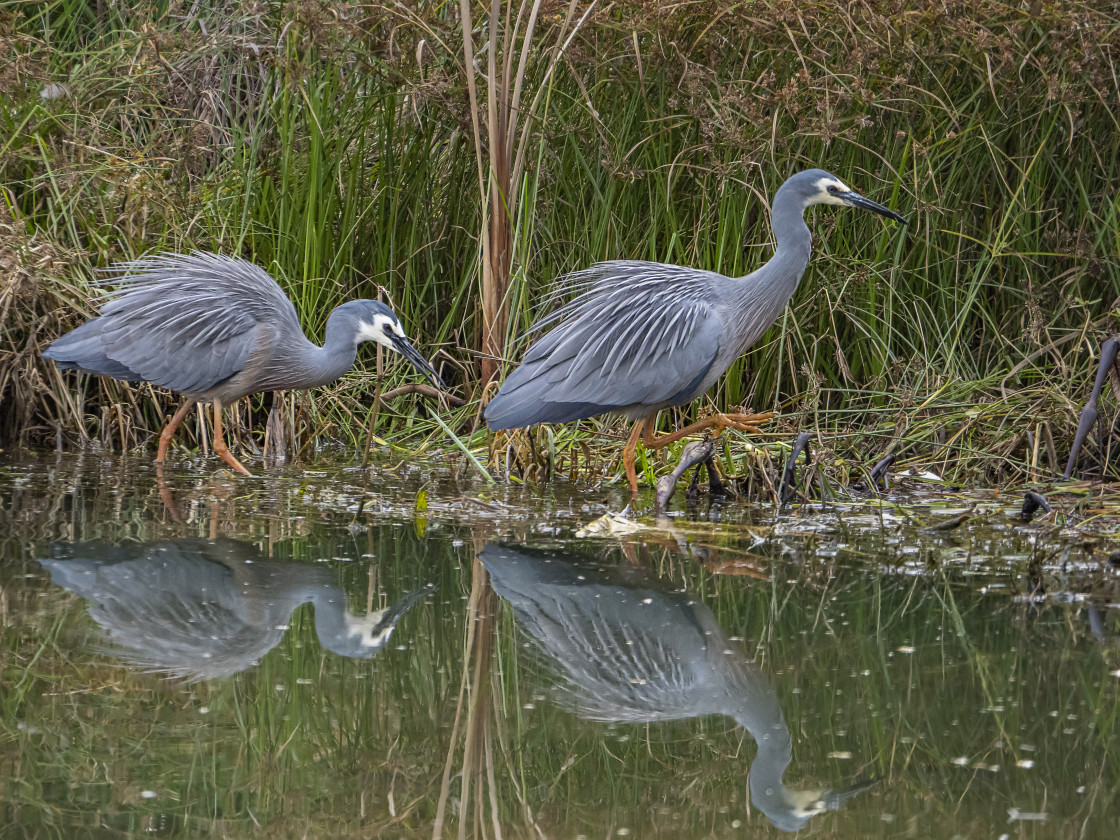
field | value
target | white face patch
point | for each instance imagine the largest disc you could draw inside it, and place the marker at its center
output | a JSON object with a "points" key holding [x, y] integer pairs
{"points": [[364, 627], [382, 327], [807, 803], [827, 189]]}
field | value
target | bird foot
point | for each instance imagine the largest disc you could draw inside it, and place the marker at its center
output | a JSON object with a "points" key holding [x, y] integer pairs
{"points": [[227, 456], [742, 422]]}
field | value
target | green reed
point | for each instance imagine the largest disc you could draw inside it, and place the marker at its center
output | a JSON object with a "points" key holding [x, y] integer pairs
{"points": [[336, 151]]}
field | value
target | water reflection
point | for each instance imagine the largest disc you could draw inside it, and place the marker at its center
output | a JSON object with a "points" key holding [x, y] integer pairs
{"points": [[199, 609], [627, 652]]}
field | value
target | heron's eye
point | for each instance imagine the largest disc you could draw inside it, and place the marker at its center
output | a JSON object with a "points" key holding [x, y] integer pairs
{"points": [[833, 189]]}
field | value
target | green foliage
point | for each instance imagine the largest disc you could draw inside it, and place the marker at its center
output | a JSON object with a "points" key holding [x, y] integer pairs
{"points": [[331, 143]]}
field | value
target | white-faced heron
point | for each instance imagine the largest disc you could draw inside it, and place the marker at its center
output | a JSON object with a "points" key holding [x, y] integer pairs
{"points": [[216, 329], [199, 609], [627, 652], [643, 336]]}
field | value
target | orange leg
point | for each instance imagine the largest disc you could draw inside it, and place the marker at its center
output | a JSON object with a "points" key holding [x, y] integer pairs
{"points": [[220, 442], [630, 452], [169, 430]]}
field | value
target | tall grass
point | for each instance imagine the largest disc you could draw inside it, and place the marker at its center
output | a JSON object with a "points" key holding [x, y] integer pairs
{"points": [[514, 95], [457, 166]]}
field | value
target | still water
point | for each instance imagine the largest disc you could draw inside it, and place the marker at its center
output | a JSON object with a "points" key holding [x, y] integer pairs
{"points": [[411, 653]]}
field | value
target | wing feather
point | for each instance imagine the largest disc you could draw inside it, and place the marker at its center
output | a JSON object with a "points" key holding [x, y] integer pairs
{"points": [[639, 336], [183, 322]]}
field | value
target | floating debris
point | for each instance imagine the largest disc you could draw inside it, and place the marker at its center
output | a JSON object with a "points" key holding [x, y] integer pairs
{"points": [[949, 524], [609, 525]]}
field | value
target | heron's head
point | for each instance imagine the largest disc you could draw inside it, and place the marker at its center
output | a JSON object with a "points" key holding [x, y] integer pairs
{"points": [[819, 187], [377, 322], [790, 810], [374, 321], [362, 636]]}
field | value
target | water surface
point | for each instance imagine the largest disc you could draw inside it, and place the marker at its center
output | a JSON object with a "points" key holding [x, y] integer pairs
{"points": [[313, 653]]}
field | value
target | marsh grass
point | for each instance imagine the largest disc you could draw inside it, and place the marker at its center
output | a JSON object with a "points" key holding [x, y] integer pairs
{"points": [[345, 149]]}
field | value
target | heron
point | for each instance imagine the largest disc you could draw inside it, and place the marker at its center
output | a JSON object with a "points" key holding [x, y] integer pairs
{"points": [[217, 328], [198, 609], [627, 652], [643, 336]]}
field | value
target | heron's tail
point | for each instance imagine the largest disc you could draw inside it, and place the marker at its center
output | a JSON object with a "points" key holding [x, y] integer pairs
{"points": [[82, 349], [524, 402]]}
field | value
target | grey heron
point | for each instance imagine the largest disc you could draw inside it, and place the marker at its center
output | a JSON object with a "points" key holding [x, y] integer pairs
{"points": [[199, 609], [643, 336], [218, 328], [627, 652]]}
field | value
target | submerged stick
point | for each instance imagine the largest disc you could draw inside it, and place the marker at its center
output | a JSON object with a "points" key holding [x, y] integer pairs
{"points": [[789, 474], [694, 454], [949, 524]]}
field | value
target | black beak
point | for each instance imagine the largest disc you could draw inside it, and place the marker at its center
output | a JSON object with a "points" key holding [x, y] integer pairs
{"points": [[854, 199], [401, 345], [836, 798], [395, 612]]}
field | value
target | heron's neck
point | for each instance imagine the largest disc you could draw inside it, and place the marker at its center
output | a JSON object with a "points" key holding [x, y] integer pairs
{"points": [[775, 751], [794, 241], [759, 298], [325, 364], [753, 704], [330, 617]]}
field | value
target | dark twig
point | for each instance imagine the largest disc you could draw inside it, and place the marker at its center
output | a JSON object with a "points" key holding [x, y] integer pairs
{"points": [[878, 475], [789, 474], [1032, 502], [695, 453], [1089, 412]]}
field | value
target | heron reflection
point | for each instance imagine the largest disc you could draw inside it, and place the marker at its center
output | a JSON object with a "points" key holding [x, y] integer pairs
{"points": [[199, 609], [629, 653]]}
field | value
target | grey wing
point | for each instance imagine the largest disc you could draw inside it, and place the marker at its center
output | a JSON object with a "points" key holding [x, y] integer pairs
{"points": [[644, 336], [183, 322], [625, 654], [167, 607]]}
